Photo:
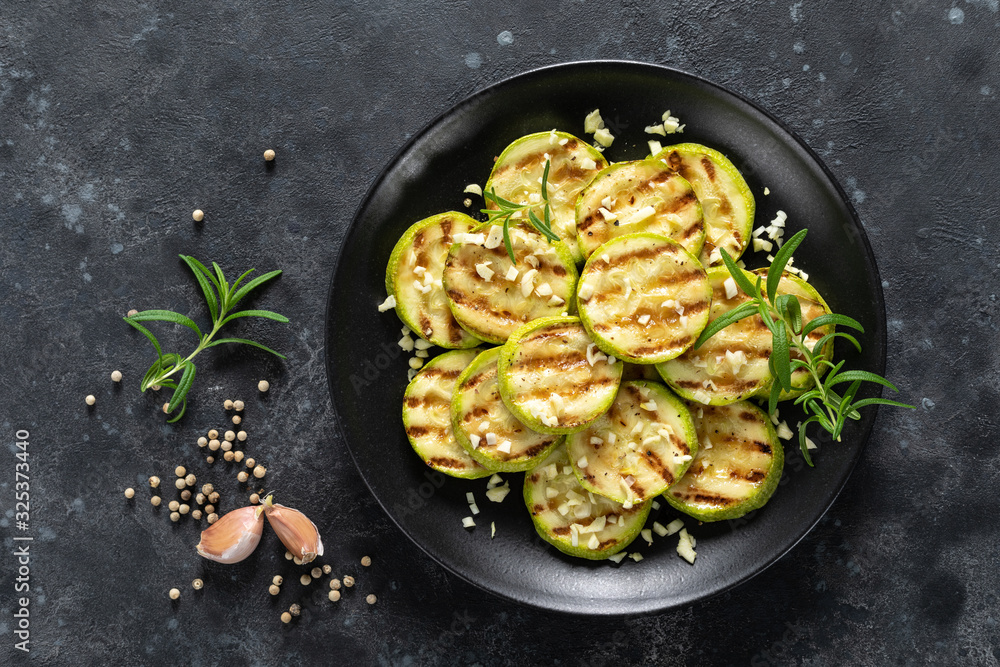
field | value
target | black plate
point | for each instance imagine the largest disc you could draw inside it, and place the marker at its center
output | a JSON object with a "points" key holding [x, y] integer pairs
{"points": [[367, 370]]}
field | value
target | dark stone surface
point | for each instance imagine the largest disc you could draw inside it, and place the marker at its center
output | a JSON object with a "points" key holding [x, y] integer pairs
{"points": [[118, 119]]}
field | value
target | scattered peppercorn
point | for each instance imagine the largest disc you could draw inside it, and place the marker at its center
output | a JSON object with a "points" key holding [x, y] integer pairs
{"points": [[132, 313], [327, 569], [129, 493], [241, 436], [155, 501], [197, 584], [180, 471], [154, 481], [263, 386], [296, 560], [228, 405], [116, 376], [202, 441], [228, 456], [179, 483], [348, 581], [213, 434], [175, 517], [251, 463], [268, 155], [316, 572], [366, 560], [334, 596], [196, 514], [185, 495], [90, 400], [305, 580], [286, 617], [198, 215], [335, 584], [371, 599], [184, 508], [238, 406], [166, 408], [277, 580], [213, 517], [243, 476], [288, 555], [227, 446], [273, 589], [214, 445], [190, 479], [173, 505], [237, 419], [238, 456], [210, 459], [213, 497], [295, 609], [230, 436], [174, 593], [210, 509], [254, 499], [259, 471]]}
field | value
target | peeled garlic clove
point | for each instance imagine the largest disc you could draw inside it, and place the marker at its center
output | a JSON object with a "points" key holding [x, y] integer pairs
{"points": [[233, 537], [296, 531]]}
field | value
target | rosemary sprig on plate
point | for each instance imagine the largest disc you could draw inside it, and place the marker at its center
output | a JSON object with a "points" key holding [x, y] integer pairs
{"points": [[507, 209], [221, 298], [823, 402]]}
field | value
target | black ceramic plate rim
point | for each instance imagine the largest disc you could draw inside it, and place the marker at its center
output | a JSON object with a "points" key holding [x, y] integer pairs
{"points": [[871, 267]]}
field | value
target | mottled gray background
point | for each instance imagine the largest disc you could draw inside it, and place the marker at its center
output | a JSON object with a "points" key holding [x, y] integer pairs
{"points": [[118, 118]]}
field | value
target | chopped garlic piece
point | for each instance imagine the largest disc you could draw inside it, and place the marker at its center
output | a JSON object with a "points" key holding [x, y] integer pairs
{"points": [[654, 146], [588, 164], [474, 189], [556, 300], [783, 431], [647, 535], [495, 237], [643, 213], [594, 542], [468, 522], [406, 343], [484, 271], [593, 122], [685, 547], [388, 304], [498, 493], [511, 274], [618, 557], [474, 439], [607, 215], [528, 282], [582, 462], [659, 529], [504, 447], [604, 137], [644, 320], [674, 526], [544, 290], [656, 129], [650, 405], [635, 556], [607, 202], [810, 444], [730, 285], [594, 355], [491, 439]]}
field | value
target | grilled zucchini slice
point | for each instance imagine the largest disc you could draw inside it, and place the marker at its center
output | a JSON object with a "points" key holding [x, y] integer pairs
{"points": [[574, 521], [517, 175], [414, 276], [726, 200], [486, 428], [737, 467], [640, 196], [643, 298], [813, 305], [641, 446], [553, 378], [730, 366], [427, 416], [491, 297]]}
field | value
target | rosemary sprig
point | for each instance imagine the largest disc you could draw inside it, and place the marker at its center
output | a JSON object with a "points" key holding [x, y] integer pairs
{"points": [[506, 209], [782, 315], [221, 298]]}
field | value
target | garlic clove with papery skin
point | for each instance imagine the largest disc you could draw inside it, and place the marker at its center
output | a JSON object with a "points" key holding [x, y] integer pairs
{"points": [[299, 535], [233, 537]]}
